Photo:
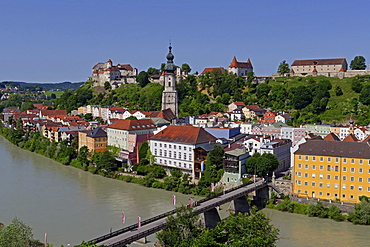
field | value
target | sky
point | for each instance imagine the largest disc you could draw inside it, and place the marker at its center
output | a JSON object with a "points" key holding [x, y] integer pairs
{"points": [[56, 41]]}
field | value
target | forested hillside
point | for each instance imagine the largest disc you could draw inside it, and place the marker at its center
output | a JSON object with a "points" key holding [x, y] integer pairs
{"points": [[310, 99]]}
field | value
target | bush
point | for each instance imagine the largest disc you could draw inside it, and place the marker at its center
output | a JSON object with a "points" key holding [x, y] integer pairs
{"points": [[285, 206], [157, 185], [334, 213], [93, 169], [299, 208], [127, 179], [317, 210]]}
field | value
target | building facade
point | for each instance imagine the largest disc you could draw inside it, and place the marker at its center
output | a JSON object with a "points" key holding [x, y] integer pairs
{"points": [[333, 170]]}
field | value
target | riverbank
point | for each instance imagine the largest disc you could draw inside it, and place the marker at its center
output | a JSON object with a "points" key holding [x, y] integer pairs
{"points": [[104, 164], [359, 215]]}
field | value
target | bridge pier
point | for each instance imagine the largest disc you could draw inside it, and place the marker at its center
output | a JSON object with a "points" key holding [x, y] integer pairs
{"points": [[142, 240], [261, 195], [210, 218], [239, 205]]}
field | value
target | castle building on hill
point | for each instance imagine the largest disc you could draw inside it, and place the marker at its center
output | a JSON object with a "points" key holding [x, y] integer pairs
{"points": [[240, 68], [169, 95], [115, 75]]}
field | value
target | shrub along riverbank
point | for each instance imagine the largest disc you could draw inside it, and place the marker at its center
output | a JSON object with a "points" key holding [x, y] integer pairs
{"points": [[361, 215]]}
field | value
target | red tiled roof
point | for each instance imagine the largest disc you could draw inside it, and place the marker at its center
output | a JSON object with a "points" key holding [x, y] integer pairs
{"points": [[124, 66], [210, 70], [235, 64], [135, 124], [350, 138], [318, 61], [53, 112], [331, 137], [252, 107], [184, 134], [240, 103]]}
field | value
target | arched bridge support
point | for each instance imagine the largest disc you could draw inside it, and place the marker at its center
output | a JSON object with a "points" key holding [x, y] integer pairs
{"points": [[262, 194], [239, 205], [210, 218]]}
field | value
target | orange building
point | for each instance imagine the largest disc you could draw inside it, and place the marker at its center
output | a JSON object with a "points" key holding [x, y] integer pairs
{"points": [[95, 141], [333, 170]]}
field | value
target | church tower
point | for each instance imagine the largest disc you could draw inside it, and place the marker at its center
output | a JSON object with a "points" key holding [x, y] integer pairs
{"points": [[169, 95]]}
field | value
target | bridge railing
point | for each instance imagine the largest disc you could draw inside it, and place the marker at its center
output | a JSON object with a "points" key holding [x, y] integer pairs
{"points": [[160, 216]]}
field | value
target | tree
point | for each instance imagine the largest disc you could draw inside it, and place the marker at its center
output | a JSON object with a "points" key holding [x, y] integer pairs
{"points": [[302, 97], [262, 164], [143, 78], [358, 63], [338, 91], [107, 85], [181, 230], [186, 68], [152, 71], [27, 106], [237, 230], [365, 95], [362, 213], [283, 67], [356, 86], [17, 234]]}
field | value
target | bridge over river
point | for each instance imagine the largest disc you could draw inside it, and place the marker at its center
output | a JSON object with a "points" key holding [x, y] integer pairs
{"points": [[206, 206]]}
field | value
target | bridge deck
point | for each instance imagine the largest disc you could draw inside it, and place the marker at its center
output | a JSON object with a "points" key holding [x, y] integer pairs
{"points": [[152, 227]]}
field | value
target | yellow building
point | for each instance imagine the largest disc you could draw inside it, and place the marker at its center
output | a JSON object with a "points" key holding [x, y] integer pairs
{"points": [[95, 141], [332, 170]]}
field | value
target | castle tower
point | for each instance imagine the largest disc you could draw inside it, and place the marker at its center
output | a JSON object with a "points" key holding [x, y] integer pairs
{"points": [[169, 95]]}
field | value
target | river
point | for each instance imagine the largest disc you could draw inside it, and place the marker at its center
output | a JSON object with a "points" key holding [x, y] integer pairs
{"points": [[72, 205]]}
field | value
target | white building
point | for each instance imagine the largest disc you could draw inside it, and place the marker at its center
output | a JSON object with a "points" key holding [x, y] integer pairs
{"points": [[118, 132], [174, 146]]}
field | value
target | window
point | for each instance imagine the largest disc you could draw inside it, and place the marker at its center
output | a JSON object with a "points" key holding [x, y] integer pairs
{"points": [[336, 177], [361, 162], [313, 167], [299, 174], [328, 168], [321, 176], [368, 189], [344, 196], [344, 169], [169, 146], [314, 158], [320, 193], [368, 171], [352, 161], [352, 169], [336, 168], [329, 159], [351, 187], [179, 147], [351, 196], [336, 160], [327, 194], [299, 191], [344, 186], [305, 166], [300, 166], [321, 168], [321, 159], [174, 146], [344, 160], [160, 145], [306, 158], [328, 177], [352, 179], [320, 184], [306, 175], [165, 145], [336, 186], [165, 153], [360, 188], [360, 170], [299, 182], [360, 180], [328, 185], [335, 195], [306, 183], [313, 175], [344, 178], [169, 153], [313, 184]]}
